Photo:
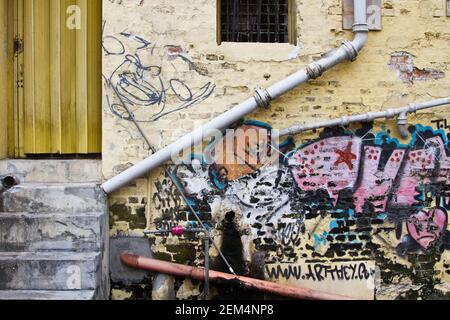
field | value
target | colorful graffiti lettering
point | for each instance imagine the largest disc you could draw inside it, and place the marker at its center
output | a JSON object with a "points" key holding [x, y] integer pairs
{"points": [[331, 164], [427, 227], [346, 196], [166, 199], [243, 151], [358, 180]]}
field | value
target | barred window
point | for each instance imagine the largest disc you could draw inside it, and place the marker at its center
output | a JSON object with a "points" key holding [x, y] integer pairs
{"points": [[256, 21]]}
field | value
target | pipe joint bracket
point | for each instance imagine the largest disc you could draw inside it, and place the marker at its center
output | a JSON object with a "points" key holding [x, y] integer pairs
{"points": [[350, 50], [360, 27], [402, 122], [314, 70], [411, 108], [262, 98], [402, 119]]}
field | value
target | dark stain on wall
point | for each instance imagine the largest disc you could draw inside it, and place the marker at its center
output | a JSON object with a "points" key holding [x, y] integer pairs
{"points": [[123, 212]]}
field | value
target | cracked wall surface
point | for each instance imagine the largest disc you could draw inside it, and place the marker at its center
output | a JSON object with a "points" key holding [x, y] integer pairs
{"points": [[357, 217], [403, 63]]}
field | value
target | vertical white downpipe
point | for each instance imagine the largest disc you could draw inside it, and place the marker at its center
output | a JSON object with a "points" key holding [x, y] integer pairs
{"points": [[347, 52]]}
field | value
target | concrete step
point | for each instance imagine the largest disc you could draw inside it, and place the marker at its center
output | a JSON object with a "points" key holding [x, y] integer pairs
{"points": [[25, 232], [53, 171], [53, 198], [50, 271], [47, 295]]}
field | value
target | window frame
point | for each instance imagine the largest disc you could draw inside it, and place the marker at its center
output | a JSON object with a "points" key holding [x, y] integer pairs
{"points": [[292, 21]]}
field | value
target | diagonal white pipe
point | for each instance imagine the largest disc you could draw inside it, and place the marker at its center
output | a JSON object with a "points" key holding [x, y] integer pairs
{"points": [[347, 52]]}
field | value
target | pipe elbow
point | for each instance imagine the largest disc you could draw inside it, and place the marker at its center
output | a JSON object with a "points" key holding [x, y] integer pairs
{"points": [[360, 40], [402, 122], [360, 26], [352, 48]]}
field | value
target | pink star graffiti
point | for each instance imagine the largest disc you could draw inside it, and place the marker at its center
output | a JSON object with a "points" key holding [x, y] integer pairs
{"points": [[346, 156]]}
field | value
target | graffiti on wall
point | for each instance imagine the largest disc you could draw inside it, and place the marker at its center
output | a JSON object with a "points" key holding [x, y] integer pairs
{"points": [[166, 198], [148, 90], [344, 278], [335, 198], [441, 124]]}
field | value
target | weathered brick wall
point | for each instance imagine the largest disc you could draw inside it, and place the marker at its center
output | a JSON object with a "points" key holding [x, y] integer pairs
{"points": [[162, 60]]}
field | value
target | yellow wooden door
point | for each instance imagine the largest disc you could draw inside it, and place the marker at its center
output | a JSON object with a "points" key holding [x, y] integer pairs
{"points": [[58, 76]]}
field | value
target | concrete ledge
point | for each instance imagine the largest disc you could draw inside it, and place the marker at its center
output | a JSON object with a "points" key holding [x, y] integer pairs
{"points": [[53, 171], [44, 232], [53, 198], [49, 271], [47, 295]]}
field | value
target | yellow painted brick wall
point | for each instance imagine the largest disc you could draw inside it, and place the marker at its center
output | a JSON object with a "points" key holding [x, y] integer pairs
{"points": [[176, 42]]}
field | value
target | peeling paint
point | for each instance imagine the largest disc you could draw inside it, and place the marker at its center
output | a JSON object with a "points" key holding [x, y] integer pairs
{"points": [[403, 63]]}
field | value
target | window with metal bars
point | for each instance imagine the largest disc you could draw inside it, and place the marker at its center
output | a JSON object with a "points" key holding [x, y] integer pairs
{"points": [[267, 21]]}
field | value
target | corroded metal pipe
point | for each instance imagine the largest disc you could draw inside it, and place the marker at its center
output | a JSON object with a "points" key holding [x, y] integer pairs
{"points": [[180, 270]]}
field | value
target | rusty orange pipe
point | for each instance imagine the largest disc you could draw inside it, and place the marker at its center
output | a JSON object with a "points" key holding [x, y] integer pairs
{"points": [[180, 270]]}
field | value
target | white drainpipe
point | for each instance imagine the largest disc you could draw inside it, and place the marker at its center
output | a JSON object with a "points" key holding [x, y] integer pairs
{"points": [[348, 51], [400, 113]]}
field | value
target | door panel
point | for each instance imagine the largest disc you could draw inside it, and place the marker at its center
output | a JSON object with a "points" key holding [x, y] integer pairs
{"points": [[61, 103], [4, 79]]}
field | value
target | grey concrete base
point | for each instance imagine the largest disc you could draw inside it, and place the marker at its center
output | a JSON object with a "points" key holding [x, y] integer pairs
{"points": [[49, 271], [124, 274], [44, 232], [47, 295], [54, 240], [53, 171], [53, 198]]}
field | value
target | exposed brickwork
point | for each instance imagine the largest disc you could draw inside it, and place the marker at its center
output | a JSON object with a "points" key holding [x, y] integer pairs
{"points": [[403, 63]]}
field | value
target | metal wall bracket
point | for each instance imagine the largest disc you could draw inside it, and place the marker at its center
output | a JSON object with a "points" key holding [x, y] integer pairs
{"points": [[262, 97]]}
